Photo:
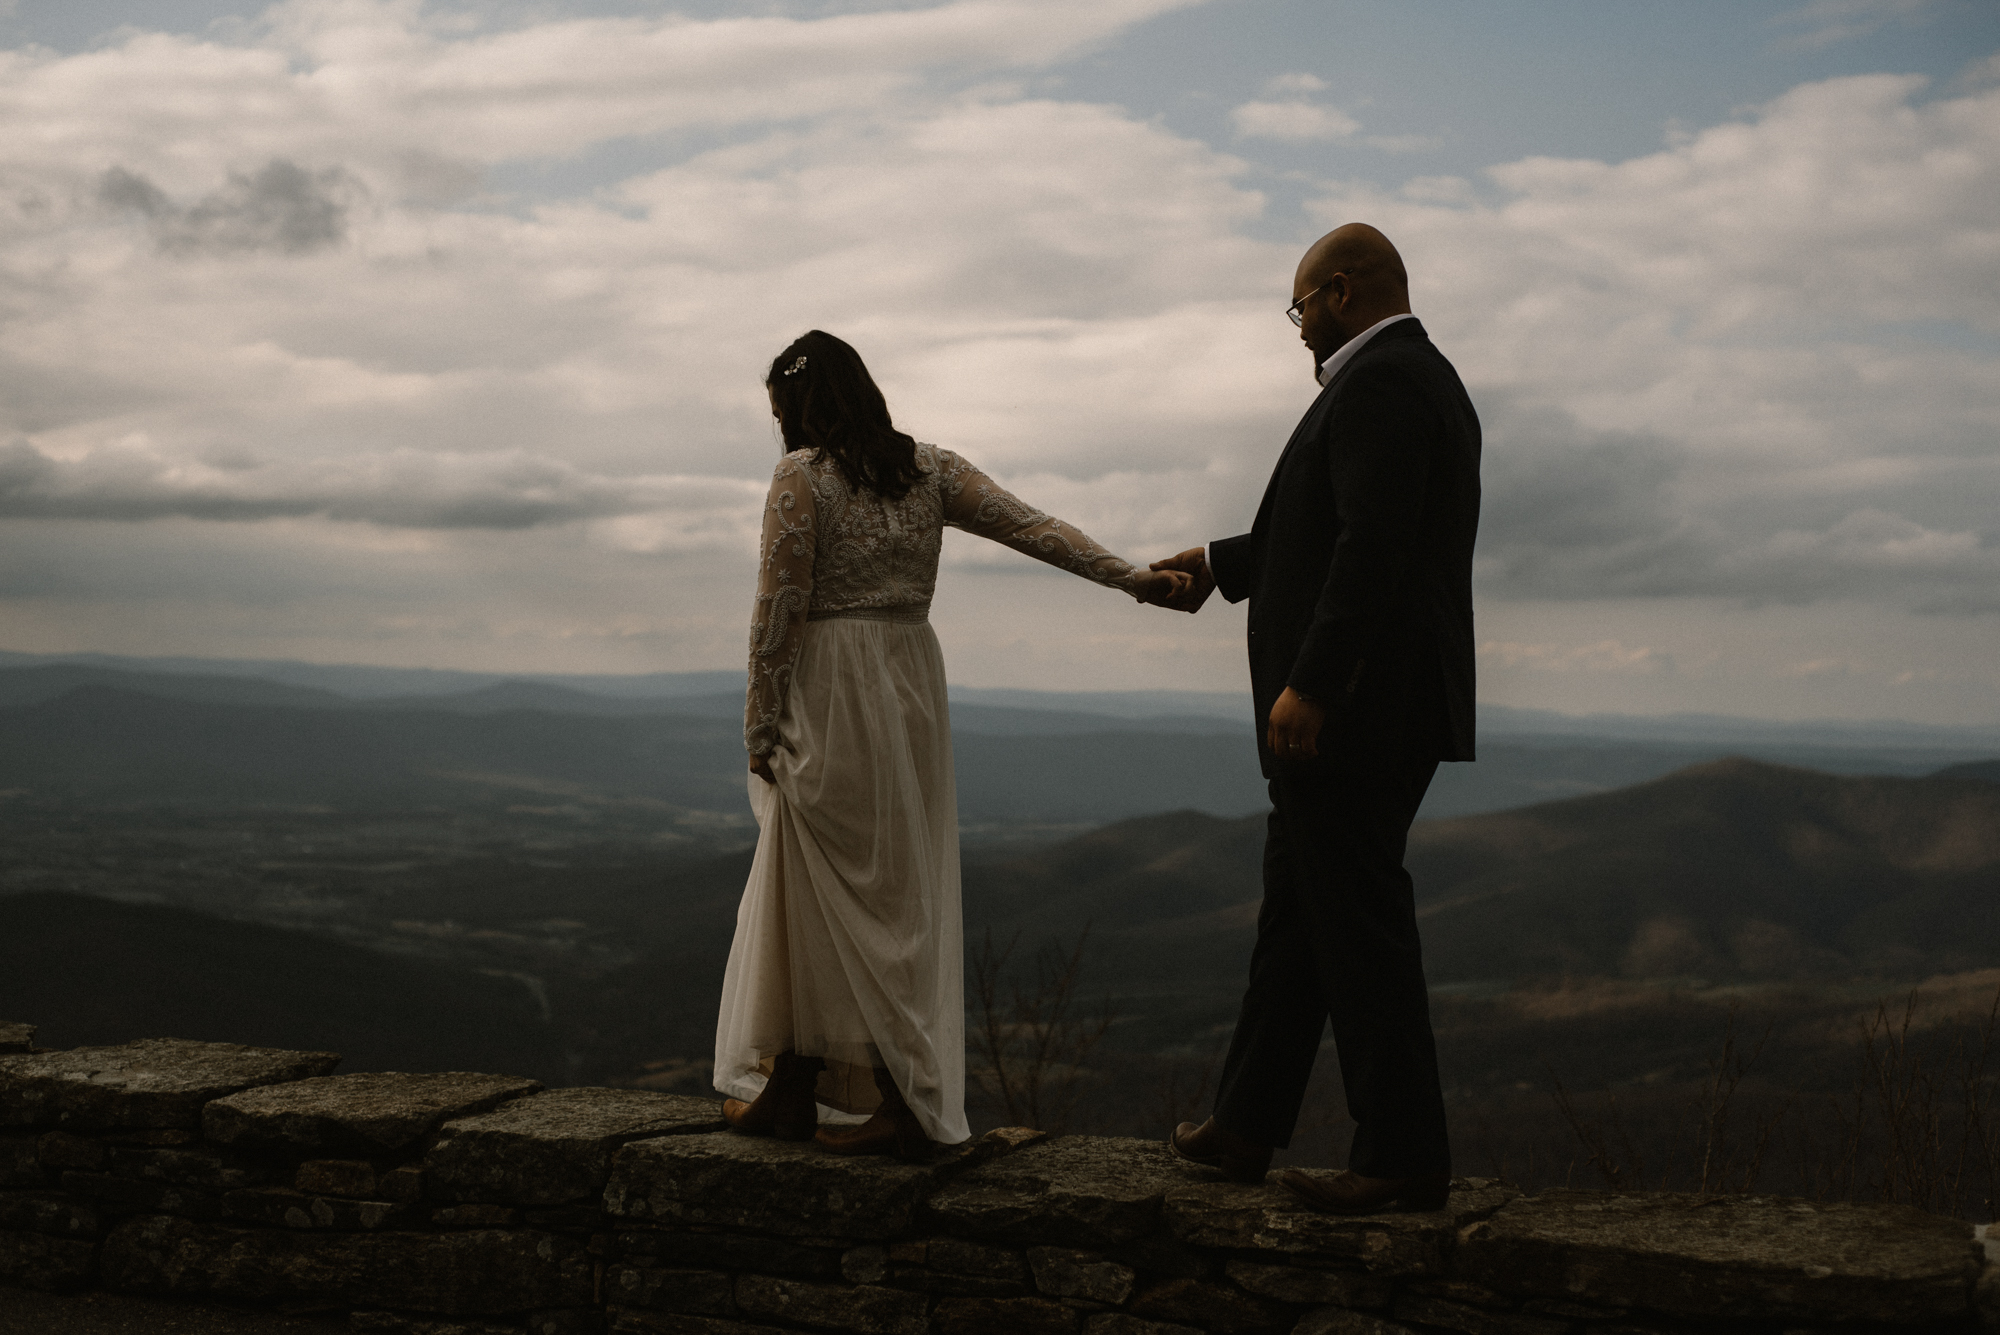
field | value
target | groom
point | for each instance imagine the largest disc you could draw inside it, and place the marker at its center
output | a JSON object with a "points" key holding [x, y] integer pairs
{"points": [[1359, 574]]}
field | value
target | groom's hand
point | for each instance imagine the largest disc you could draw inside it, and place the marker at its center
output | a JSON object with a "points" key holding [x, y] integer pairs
{"points": [[1194, 563], [1161, 588], [1295, 725]]}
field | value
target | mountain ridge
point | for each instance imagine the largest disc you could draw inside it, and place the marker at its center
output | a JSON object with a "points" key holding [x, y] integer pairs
{"points": [[1735, 872], [373, 682], [95, 736], [91, 969], [100, 744], [1733, 868]]}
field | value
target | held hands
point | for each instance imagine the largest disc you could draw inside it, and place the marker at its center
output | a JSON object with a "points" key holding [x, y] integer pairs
{"points": [[1295, 725], [1194, 563], [1295, 720], [761, 767], [1161, 588]]}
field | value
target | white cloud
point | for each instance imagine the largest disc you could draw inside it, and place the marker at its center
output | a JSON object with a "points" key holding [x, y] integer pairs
{"points": [[1818, 667], [1294, 84], [1982, 73], [1440, 190], [1874, 550], [509, 489], [1286, 112], [370, 83], [1404, 143], [1602, 656], [974, 251], [292, 339], [1715, 368], [262, 294], [1292, 120], [1832, 204]]}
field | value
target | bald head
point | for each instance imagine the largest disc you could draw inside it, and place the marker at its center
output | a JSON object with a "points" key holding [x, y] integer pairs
{"points": [[1363, 280], [1367, 258]]}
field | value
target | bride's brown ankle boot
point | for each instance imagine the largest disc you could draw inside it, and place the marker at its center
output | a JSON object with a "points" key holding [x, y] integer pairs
{"points": [[894, 1129], [786, 1109]]}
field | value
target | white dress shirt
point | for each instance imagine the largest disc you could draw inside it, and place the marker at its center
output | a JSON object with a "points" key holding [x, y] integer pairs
{"points": [[1342, 355]]}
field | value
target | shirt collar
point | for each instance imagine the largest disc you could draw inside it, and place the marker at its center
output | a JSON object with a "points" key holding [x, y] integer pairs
{"points": [[1344, 354]]}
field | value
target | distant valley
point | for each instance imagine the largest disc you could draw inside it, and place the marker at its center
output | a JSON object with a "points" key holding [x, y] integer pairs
{"points": [[1030, 765], [1732, 870], [1730, 873], [542, 876]]}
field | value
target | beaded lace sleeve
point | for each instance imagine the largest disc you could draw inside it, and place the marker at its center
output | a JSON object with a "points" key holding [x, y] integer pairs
{"points": [[784, 593], [976, 503]]}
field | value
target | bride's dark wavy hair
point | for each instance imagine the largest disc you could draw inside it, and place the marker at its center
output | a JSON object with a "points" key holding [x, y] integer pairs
{"points": [[826, 400]]}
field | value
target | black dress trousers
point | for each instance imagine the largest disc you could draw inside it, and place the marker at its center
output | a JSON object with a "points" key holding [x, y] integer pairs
{"points": [[1337, 940]]}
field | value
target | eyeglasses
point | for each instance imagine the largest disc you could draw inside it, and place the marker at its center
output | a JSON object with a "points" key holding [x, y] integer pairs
{"points": [[1297, 309]]}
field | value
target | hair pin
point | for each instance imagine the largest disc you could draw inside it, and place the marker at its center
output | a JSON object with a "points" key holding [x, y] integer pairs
{"points": [[796, 367]]}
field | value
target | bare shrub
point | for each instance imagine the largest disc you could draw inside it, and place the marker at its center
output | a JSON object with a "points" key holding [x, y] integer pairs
{"points": [[1911, 1132], [1725, 1165], [1030, 1035], [1607, 1146], [1915, 1128]]}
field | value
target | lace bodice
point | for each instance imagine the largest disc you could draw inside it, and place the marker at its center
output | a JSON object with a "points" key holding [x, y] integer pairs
{"points": [[830, 551]]}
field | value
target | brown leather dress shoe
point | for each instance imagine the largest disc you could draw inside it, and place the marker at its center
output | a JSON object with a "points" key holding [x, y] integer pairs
{"points": [[1214, 1146], [894, 1129], [1348, 1192], [786, 1109]]}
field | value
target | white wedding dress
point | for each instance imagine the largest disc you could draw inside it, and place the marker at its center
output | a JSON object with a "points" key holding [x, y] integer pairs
{"points": [[849, 944]]}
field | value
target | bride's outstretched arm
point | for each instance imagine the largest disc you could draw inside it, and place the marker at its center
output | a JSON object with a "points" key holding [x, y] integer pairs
{"points": [[784, 592], [978, 504]]}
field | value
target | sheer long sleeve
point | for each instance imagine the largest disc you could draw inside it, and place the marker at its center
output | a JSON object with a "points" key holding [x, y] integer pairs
{"points": [[784, 593], [976, 503]]}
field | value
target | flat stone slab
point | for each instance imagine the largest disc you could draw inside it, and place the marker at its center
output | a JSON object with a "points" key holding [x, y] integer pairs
{"points": [[38, 1261], [485, 1271], [1745, 1257], [1267, 1218], [556, 1147], [1078, 1191], [16, 1037], [20, 1162], [773, 1186], [373, 1113], [153, 1083], [47, 1212]]}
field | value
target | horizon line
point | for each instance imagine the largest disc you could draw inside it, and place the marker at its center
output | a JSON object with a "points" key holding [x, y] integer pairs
{"points": [[1679, 716]]}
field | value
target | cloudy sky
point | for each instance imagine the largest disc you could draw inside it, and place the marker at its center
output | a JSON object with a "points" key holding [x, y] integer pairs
{"points": [[415, 333]]}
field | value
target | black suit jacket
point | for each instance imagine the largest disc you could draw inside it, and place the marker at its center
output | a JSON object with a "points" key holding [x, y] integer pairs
{"points": [[1359, 566]]}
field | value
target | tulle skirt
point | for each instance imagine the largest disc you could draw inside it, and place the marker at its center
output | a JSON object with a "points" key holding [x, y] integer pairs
{"points": [[849, 942]]}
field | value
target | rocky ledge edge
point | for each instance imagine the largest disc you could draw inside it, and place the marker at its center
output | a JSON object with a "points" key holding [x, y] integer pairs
{"points": [[461, 1203]]}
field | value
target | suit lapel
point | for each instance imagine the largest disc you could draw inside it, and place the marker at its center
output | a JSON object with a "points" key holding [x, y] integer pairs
{"points": [[1411, 328], [1298, 433]]}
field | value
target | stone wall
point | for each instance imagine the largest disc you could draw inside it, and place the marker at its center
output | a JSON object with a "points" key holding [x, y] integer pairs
{"points": [[464, 1204]]}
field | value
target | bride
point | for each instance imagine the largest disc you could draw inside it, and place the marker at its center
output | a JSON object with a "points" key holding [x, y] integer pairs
{"points": [[845, 980]]}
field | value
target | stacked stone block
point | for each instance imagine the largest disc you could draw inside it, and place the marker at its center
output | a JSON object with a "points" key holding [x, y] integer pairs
{"points": [[469, 1204]]}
